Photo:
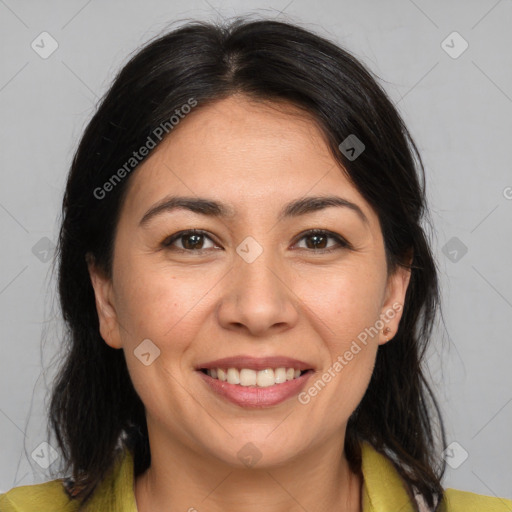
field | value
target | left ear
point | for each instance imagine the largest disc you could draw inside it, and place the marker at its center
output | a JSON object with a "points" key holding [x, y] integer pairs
{"points": [[105, 306], [393, 305]]}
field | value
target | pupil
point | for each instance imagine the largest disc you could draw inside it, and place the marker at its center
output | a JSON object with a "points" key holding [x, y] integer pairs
{"points": [[316, 243], [194, 244]]}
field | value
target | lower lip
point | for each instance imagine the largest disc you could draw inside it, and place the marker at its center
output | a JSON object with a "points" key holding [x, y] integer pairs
{"points": [[246, 396]]}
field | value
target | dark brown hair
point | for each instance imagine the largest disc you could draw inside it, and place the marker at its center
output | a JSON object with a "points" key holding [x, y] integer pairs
{"points": [[94, 408]]}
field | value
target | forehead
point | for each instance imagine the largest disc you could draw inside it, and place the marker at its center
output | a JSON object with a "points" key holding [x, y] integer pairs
{"points": [[245, 153]]}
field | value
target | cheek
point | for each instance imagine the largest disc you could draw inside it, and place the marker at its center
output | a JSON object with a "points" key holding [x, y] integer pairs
{"points": [[345, 305], [345, 300], [160, 303], [164, 307]]}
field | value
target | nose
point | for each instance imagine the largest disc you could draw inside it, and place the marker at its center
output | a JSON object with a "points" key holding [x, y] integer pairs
{"points": [[259, 298]]}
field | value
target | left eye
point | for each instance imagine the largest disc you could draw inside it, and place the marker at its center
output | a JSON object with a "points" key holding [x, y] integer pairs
{"points": [[319, 240]]}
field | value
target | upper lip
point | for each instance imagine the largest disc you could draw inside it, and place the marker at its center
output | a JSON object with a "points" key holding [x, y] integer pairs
{"points": [[255, 363]]}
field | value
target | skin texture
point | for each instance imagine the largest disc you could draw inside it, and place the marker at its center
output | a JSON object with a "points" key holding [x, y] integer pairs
{"points": [[293, 300]]}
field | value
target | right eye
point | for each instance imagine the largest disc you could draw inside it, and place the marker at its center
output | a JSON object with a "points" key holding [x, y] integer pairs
{"points": [[190, 240]]}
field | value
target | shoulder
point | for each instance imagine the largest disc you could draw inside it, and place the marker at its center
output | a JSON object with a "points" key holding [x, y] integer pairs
{"points": [[464, 501], [46, 497], [384, 490], [115, 492]]}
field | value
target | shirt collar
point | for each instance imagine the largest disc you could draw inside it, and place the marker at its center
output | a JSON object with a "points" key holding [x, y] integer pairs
{"points": [[116, 492], [383, 489]]}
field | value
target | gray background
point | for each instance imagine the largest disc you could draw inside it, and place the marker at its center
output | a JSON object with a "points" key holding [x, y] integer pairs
{"points": [[459, 110]]}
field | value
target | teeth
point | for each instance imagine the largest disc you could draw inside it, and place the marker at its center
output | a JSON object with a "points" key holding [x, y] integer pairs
{"points": [[233, 376], [248, 377], [265, 378], [280, 375]]}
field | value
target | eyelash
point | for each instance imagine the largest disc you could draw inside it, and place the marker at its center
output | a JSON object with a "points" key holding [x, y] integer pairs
{"points": [[342, 243]]}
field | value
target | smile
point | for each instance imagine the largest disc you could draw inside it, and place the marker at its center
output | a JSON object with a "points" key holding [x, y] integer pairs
{"points": [[249, 377]]}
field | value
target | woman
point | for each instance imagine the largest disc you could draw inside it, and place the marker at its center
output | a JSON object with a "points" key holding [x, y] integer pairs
{"points": [[248, 289]]}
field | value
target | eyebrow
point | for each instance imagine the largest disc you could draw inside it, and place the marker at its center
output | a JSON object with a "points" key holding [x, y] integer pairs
{"points": [[214, 208]]}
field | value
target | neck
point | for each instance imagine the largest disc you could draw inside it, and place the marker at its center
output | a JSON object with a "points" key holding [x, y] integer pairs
{"points": [[181, 478]]}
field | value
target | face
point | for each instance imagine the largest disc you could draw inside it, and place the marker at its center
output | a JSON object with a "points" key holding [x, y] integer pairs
{"points": [[253, 283]]}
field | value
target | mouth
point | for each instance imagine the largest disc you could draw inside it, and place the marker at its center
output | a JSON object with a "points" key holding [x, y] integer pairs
{"points": [[249, 377], [255, 382]]}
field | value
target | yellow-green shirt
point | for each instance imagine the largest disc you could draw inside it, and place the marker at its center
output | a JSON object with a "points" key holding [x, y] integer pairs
{"points": [[383, 491]]}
